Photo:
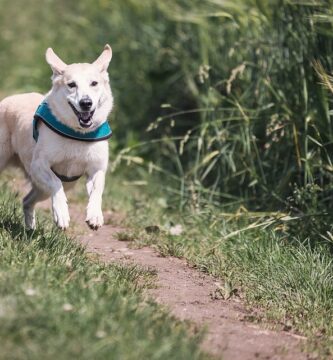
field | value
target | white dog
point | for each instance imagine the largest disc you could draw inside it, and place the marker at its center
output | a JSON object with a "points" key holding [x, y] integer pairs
{"points": [[62, 140]]}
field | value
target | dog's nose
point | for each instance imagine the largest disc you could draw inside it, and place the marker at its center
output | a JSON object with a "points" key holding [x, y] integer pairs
{"points": [[85, 103]]}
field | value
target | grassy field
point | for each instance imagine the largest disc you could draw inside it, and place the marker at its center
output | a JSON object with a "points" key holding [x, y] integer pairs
{"points": [[57, 303], [253, 254]]}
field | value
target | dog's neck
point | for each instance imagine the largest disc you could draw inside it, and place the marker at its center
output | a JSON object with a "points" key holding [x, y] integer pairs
{"points": [[45, 115]]}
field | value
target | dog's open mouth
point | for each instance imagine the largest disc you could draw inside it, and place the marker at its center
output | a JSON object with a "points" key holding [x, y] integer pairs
{"points": [[84, 117]]}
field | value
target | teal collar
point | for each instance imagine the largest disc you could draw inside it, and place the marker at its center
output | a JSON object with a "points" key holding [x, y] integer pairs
{"points": [[44, 114]]}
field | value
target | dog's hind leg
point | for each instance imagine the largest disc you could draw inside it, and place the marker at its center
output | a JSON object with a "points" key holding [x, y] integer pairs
{"points": [[35, 195]]}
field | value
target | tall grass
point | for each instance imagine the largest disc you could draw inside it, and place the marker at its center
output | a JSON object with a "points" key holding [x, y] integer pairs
{"points": [[245, 118], [256, 119]]}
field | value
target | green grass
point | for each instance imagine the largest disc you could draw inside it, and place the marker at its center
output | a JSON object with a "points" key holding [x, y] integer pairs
{"points": [[288, 277], [57, 303]]}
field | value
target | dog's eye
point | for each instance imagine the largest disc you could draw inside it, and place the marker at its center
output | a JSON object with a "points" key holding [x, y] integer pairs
{"points": [[71, 85], [94, 83]]}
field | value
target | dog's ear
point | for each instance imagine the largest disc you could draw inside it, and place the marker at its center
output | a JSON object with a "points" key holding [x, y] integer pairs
{"points": [[104, 59], [57, 65]]}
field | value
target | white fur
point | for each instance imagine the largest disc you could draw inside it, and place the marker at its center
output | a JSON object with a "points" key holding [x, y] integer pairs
{"points": [[65, 156]]}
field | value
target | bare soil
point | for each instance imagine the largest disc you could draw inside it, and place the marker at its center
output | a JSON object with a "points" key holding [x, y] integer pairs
{"points": [[189, 295]]}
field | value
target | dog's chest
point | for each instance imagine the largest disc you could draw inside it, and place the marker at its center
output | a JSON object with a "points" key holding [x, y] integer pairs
{"points": [[77, 158]]}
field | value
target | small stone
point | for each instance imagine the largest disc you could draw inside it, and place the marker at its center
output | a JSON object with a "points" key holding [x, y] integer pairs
{"points": [[30, 292], [100, 334], [176, 230], [67, 307]]}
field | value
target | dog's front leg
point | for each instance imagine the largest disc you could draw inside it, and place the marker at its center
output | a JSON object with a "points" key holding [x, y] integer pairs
{"points": [[45, 179], [95, 187]]}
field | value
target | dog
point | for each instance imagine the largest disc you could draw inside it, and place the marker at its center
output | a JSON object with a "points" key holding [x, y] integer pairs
{"points": [[58, 137]]}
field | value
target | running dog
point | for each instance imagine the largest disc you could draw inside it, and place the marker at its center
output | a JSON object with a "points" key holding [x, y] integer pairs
{"points": [[60, 137]]}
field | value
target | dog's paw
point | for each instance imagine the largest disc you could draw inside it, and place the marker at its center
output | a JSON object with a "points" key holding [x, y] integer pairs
{"points": [[61, 217], [60, 213], [94, 218], [29, 218]]}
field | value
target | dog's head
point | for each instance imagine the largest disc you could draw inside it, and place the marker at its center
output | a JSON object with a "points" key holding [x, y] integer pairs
{"points": [[81, 95]]}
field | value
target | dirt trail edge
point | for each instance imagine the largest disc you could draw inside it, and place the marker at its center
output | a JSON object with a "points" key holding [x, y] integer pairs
{"points": [[187, 293]]}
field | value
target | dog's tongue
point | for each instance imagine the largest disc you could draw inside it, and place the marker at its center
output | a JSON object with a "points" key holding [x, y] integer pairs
{"points": [[85, 116]]}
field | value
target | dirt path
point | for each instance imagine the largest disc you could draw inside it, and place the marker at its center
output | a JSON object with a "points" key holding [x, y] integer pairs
{"points": [[187, 293]]}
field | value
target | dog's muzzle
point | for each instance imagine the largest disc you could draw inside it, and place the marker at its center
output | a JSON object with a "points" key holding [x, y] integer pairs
{"points": [[84, 117]]}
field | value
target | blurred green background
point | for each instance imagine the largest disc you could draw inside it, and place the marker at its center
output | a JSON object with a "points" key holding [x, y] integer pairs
{"points": [[219, 98]]}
